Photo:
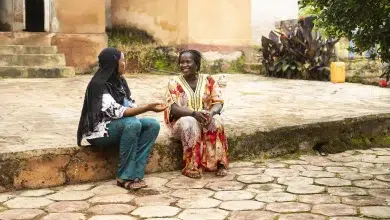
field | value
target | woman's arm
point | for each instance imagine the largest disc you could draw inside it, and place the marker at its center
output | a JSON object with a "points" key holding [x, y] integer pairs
{"points": [[155, 107], [216, 109], [179, 112]]}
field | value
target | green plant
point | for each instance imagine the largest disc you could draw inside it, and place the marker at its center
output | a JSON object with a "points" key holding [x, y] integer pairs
{"points": [[302, 53], [366, 23]]}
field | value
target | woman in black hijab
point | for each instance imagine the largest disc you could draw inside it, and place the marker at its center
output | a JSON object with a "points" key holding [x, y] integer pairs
{"points": [[108, 118]]}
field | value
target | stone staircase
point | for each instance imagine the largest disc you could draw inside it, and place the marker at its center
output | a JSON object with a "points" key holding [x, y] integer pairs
{"points": [[32, 61]]}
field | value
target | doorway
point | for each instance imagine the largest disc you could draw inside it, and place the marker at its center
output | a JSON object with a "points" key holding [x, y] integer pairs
{"points": [[35, 15]]}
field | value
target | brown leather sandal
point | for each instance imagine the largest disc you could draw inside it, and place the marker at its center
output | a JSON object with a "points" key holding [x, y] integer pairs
{"points": [[129, 184]]}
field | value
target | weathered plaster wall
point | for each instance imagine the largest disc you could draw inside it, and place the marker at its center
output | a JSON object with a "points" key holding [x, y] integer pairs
{"points": [[166, 20], [79, 17], [220, 22], [6, 15]]}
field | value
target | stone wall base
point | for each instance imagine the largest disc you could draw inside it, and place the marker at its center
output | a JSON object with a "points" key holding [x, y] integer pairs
{"points": [[58, 166]]}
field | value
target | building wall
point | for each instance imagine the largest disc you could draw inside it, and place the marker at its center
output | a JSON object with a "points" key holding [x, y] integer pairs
{"points": [[6, 15], [265, 13], [217, 22], [166, 20], [220, 22], [78, 17]]}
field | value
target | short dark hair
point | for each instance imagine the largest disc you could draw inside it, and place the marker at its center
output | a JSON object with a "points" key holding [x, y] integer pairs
{"points": [[197, 57]]}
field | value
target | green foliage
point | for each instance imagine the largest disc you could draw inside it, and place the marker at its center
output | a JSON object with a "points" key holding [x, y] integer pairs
{"points": [[366, 22], [128, 35], [302, 53]]}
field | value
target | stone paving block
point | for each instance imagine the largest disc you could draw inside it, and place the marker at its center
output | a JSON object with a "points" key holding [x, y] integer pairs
{"points": [[297, 167], [375, 170], [276, 197], [334, 209], [346, 191], [153, 200], [348, 218], [262, 188], [186, 183], [252, 215], [376, 211], [155, 182], [333, 182], [381, 193], [36, 193], [21, 214], [64, 216], [341, 169], [241, 164], [385, 178], [192, 193], [162, 219], [247, 170], [156, 211], [211, 177], [305, 189], [295, 162], [359, 164], [288, 207], [371, 184], [111, 209], [71, 195], [199, 203], [301, 216], [243, 205], [355, 176], [319, 199], [108, 189], [112, 198], [275, 165], [313, 159], [225, 185], [318, 174], [68, 206], [281, 172], [27, 203], [379, 159], [363, 201], [5, 197], [296, 180], [250, 179], [112, 217], [233, 195], [203, 214], [82, 187]]}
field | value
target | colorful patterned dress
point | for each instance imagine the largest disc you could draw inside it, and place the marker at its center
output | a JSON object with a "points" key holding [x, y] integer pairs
{"points": [[203, 147]]}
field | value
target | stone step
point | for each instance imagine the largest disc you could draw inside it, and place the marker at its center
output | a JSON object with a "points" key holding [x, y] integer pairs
{"points": [[23, 49], [36, 72], [44, 60]]}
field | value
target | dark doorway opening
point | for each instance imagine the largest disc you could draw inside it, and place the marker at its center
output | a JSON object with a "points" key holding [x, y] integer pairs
{"points": [[35, 15]]}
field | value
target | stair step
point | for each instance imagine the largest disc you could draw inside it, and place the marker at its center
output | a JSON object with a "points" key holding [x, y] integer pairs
{"points": [[36, 72], [24, 49], [44, 60]]}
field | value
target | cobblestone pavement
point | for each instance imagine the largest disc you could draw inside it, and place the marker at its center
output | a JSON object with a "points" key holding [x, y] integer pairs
{"points": [[44, 113], [347, 186]]}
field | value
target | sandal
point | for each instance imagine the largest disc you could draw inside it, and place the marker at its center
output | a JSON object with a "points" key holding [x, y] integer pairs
{"points": [[193, 173], [128, 184], [141, 182], [221, 171]]}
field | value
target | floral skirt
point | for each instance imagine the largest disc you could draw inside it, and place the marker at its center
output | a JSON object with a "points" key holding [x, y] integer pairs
{"points": [[203, 147]]}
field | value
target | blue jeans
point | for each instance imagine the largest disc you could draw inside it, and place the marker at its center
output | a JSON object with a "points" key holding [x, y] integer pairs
{"points": [[135, 138]]}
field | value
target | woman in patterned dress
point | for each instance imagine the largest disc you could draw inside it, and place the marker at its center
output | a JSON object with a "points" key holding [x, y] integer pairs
{"points": [[193, 115], [108, 119]]}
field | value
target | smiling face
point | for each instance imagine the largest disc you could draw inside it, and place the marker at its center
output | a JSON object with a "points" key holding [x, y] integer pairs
{"points": [[121, 64], [187, 64]]}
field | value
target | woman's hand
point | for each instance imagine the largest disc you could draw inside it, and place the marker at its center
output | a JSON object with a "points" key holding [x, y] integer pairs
{"points": [[156, 107], [202, 118]]}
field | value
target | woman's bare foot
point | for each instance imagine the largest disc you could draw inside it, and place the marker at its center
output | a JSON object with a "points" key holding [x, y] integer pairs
{"points": [[193, 173], [222, 171]]}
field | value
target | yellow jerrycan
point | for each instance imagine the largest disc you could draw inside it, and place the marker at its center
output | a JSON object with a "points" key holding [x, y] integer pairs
{"points": [[337, 72]]}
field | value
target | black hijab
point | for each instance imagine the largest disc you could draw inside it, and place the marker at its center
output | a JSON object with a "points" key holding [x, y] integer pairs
{"points": [[106, 79]]}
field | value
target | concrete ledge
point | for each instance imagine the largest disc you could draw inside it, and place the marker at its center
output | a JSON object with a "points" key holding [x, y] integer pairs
{"points": [[22, 49], [44, 60], [57, 166]]}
